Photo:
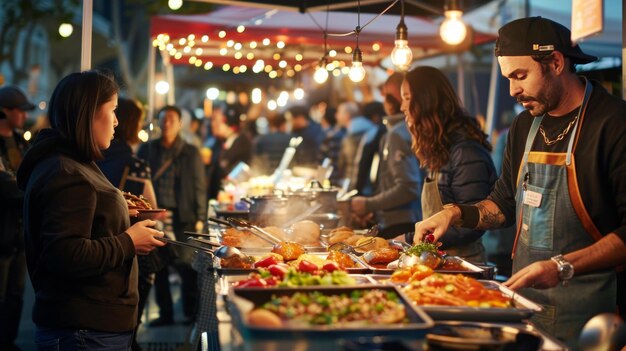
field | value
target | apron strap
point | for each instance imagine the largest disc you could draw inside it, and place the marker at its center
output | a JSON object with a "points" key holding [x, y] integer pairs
{"points": [[529, 143], [581, 115]]}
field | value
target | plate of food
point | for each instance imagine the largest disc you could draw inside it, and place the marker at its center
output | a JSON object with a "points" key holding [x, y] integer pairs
{"points": [[328, 311]]}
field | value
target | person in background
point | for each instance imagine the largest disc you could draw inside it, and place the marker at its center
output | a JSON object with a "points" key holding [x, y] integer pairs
{"points": [[13, 112], [236, 146], [80, 246], [131, 174], [396, 203], [359, 132], [179, 181], [311, 132], [331, 145], [269, 148], [368, 148], [563, 181], [453, 149]]}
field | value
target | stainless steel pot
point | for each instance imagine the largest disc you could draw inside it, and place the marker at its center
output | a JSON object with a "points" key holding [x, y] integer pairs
{"points": [[275, 209], [317, 194]]}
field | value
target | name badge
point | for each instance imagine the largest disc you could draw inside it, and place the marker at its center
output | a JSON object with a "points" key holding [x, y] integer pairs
{"points": [[532, 198]]}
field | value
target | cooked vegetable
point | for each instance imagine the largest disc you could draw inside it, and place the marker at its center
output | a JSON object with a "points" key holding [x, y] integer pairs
{"points": [[314, 308]]}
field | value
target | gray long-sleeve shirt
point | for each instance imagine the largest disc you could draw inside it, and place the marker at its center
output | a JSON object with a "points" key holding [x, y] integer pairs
{"points": [[397, 199]]}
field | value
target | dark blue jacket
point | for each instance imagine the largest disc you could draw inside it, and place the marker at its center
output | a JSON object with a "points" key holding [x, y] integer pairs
{"points": [[467, 178]]}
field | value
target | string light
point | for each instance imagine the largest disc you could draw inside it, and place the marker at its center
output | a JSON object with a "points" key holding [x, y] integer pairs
{"points": [[357, 72], [66, 29], [453, 31], [402, 55]]}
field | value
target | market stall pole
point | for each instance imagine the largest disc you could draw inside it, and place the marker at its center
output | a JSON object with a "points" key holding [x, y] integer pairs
{"points": [[85, 57]]}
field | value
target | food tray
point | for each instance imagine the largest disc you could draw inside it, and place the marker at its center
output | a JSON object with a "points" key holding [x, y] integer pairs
{"points": [[244, 300], [226, 282], [261, 250], [472, 270], [523, 308], [360, 269]]}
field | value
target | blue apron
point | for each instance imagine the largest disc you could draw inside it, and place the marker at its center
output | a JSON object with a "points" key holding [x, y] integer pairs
{"points": [[558, 224]]}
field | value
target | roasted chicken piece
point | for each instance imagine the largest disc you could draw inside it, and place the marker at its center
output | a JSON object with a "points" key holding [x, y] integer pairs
{"points": [[381, 256], [343, 260], [289, 250]]}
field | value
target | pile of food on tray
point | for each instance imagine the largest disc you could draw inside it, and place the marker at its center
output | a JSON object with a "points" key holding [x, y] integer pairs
{"points": [[426, 287], [135, 202], [305, 273], [357, 308], [303, 232]]}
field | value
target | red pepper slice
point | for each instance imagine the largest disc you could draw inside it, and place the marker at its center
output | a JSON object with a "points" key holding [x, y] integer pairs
{"points": [[265, 262], [307, 267]]}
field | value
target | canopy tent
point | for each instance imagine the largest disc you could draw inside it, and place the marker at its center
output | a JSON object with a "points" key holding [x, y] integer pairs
{"points": [[302, 33]]}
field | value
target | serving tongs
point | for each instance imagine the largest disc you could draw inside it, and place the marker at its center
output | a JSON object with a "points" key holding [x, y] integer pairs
{"points": [[185, 244], [254, 229]]}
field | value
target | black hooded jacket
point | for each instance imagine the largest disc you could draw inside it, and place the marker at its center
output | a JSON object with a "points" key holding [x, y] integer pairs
{"points": [[81, 262]]}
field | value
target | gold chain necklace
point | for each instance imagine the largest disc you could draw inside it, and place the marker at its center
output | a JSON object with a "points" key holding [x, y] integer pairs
{"points": [[560, 136]]}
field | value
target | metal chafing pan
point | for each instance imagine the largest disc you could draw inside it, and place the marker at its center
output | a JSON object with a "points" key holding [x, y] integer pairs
{"points": [[244, 300], [523, 308], [471, 270], [226, 282], [359, 269]]}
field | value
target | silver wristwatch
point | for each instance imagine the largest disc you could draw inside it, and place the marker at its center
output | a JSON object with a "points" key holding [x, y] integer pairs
{"points": [[565, 269]]}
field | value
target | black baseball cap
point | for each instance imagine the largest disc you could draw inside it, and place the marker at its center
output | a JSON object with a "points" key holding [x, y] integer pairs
{"points": [[13, 97], [538, 36]]}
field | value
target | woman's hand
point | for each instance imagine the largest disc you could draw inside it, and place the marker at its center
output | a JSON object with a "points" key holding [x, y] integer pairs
{"points": [[143, 236], [436, 224]]}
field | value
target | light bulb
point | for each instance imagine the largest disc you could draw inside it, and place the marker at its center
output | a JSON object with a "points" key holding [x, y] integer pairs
{"points": [[453, 30], [162, 87], [357, 71], [321, 74], [402, 55], [66, 29], [175, 4]]}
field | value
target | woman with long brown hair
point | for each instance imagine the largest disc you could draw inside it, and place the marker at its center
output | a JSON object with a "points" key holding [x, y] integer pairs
{"points": [[453, 149]]}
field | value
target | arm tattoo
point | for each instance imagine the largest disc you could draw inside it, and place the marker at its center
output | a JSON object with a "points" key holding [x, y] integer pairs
{"points": [[490, 215]]}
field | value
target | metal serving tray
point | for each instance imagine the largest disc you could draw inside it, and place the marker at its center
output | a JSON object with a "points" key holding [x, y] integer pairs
{"points": [[472, 270], [360, 269], [226, 282], [244, 300], [523, 308]]}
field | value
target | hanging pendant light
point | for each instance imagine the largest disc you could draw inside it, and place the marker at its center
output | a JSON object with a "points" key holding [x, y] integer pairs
{"points": [[402, 55], [321, 74], [453, 30], [357, 71]]}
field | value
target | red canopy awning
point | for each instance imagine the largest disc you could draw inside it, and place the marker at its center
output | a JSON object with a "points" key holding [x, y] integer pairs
{"points": [[302, 33]]}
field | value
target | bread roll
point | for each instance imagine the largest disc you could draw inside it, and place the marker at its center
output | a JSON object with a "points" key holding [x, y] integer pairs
{"points": [[305, 232], [338, 237], [378, 243], [264, 318], [279, 233]]}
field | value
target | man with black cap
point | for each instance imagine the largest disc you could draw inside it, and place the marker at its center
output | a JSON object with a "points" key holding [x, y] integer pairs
{"points": [[13, 111], [563, 180]]}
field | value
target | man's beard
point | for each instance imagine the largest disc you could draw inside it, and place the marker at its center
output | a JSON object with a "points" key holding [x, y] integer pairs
{"points": [[547, 99]]}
